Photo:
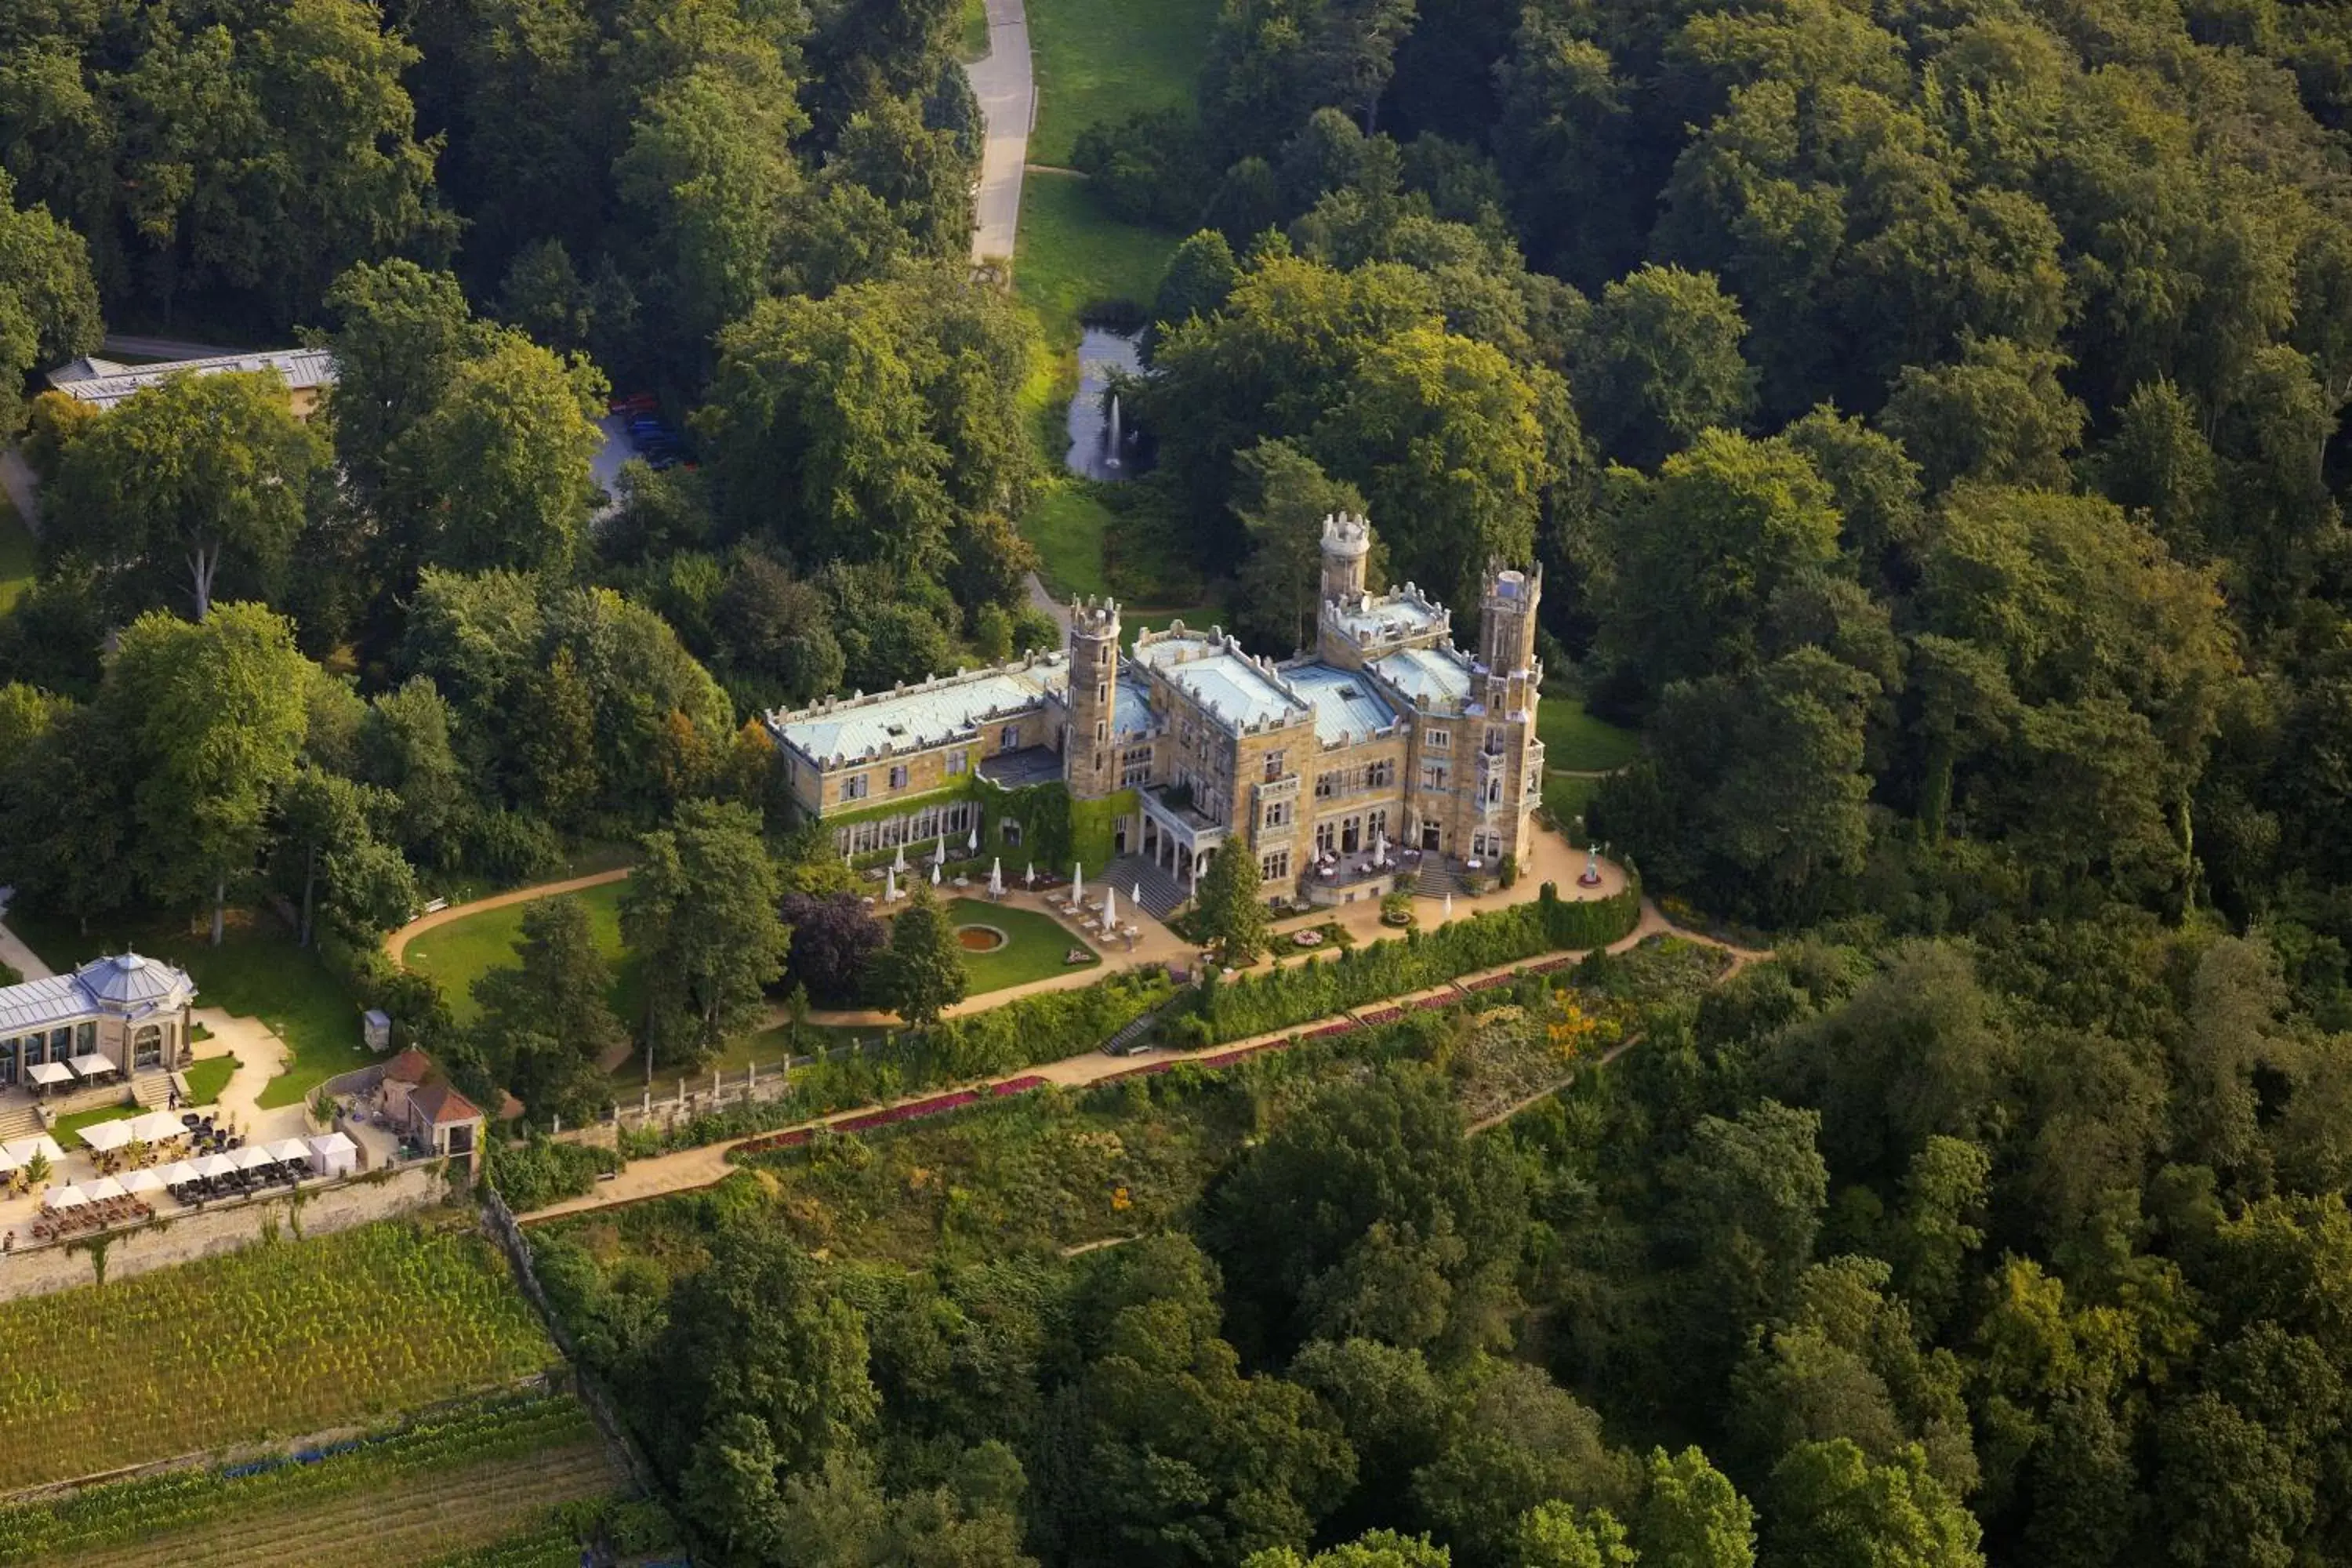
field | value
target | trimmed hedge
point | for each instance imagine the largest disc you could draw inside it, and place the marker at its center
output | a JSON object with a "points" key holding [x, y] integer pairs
{"points": [[1282, 998]]}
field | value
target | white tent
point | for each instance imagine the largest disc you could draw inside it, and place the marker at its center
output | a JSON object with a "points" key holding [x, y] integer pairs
{"points": [[252, 1157], [142, 1182], [89, 1064], [157, 1126], [103, 1188], [67, 1197], [50, 1072], [213, 1165], [291, 1151], [107, 1136], [334, 1155], [179, 1173]]}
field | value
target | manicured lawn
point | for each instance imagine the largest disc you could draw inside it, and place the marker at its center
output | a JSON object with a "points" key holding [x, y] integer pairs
{"points": [[1066, 522], [1034, 952], [1580, 743], [257, 971], [208, 1078], [454, 956], [65, 1127], [1569, 799], [20, 556], [971, 43], [1105, 59], [1073, 255]]}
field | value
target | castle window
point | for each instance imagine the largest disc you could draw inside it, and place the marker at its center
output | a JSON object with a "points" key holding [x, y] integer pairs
{"points": [[1494, 743], [1102, 692], [1009, 830], [1326, 837], [853, 787], [1437, 740], [899, 776], [1009, 738], [958, 761], [1381, 774], [1102, 730], [1276, 866], [1137, 773], [1278, 814], [1433, 775], [1273, 766]]}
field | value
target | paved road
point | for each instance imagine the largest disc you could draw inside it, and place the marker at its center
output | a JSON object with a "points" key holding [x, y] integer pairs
{"points": [[1008, 102]]}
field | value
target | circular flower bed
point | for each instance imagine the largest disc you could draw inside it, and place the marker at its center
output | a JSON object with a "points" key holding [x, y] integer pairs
{"points": [[1307, 938], [980, 939]]}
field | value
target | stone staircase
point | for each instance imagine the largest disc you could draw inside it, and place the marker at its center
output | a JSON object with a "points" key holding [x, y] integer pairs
{"points": [[20, 1121], [1434, 879], [1163, 894]]}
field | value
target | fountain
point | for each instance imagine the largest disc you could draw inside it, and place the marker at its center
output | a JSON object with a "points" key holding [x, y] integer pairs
{"points": [[1111, 436], [1096, 422]]}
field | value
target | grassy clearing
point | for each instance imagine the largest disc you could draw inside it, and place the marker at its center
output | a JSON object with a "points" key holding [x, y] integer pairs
{"points": [[453, 1482], [972, 36], [455, 956], [20, 556], [1575, 739], [1105, 59], [1037, 946], [257, 971], [1073, 255], [1066, 523], [208, 1078], [275, 1341], [583, 861], [1568, 798]]}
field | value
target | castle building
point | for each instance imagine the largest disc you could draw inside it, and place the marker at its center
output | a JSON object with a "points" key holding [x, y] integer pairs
{"points": [[1384, 748]]}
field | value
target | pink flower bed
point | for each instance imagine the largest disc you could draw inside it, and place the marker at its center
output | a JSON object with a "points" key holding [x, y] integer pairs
{"points": [[1551, 965], [1442, 999], [1380, 1015], [1326, 1031], [1017, 1085], [898, 1113], [1491, 982]]}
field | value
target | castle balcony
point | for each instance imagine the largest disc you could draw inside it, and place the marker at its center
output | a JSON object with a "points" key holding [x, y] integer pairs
{"points": [[1177, 836]]}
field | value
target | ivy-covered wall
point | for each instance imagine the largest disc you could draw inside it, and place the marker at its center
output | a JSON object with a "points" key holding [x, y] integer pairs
{"points": [[1091, 824], [1056, 830]]}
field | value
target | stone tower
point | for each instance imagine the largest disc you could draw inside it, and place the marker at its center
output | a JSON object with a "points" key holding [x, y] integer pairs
{"points": [[1346, 542], [1090, 749], [1506, 641]]}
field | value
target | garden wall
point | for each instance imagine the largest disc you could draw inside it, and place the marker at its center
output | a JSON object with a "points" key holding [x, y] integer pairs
{"points": [[182, 1238]]}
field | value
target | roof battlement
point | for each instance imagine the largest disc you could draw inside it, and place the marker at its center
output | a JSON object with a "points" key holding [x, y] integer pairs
{"points": [[1094, 617], [867, 726], [1346, 535]]}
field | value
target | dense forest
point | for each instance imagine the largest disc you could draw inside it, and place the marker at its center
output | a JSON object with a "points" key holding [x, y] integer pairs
{"points": [[1926, 416]]}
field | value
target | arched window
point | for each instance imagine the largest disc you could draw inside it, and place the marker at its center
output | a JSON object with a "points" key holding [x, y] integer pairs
{"points": [[147, 1046]]}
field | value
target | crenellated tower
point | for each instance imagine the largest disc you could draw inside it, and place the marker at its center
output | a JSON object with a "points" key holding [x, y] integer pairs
{"points": [[1506, 641], [1090, 749], [1347, 541]]}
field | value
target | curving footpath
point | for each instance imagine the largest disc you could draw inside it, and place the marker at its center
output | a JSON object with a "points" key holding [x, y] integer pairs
{"points": [[706, 1165], [1007, 90], [396, 942]]}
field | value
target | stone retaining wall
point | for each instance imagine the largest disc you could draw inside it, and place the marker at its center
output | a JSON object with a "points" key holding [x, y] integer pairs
{"points": [[185, 1236]]}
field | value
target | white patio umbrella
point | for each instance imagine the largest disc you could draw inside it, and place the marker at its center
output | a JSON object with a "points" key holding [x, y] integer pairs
{"points": [[142, 1182], [67, 1197], [890, 886], [1110, 909], [996, 877], [940, 859], [1029, 878], [898, 861], [157, 1126], [972, 843], [935, 873], [103, 1188], [178, 1174], [107, 1136], [1449, 906], [290, 1150], [9, 1162], [213, 1165], [24, 1149], [1136, 893], [1079, 882], [252, 1157]]}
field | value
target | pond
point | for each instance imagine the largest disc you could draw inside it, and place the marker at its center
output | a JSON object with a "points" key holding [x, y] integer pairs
{"points": [[1099, 440]]}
